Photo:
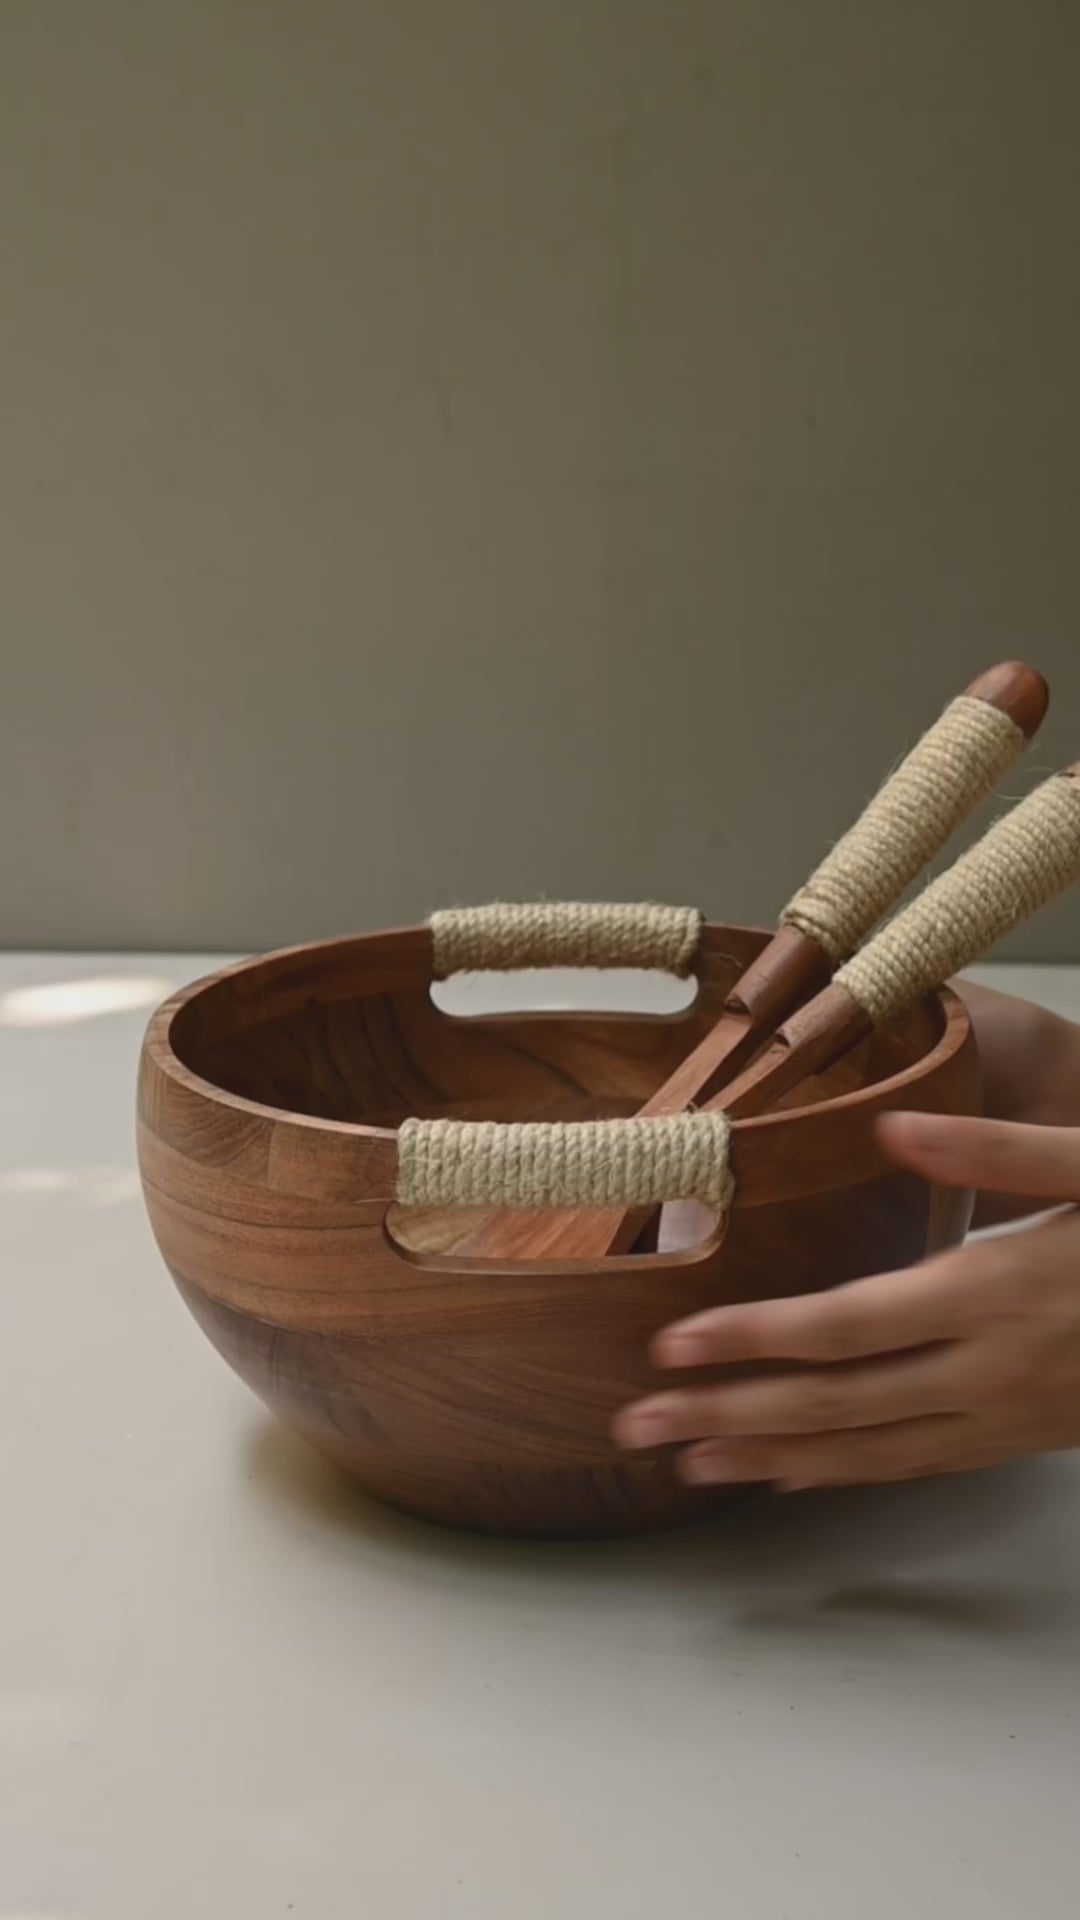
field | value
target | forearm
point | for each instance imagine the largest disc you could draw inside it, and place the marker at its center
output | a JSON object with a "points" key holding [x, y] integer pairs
{"points": [[1031, 1072], [1030, 1059]]}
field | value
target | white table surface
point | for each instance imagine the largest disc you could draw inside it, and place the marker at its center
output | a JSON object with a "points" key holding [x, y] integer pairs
{"points": [[231, 1687]]}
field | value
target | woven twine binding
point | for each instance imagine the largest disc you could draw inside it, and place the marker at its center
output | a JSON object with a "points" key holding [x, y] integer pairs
{"points": [[1027, 858], [501, 938], [954, 766], [590, 1163], [587, 1163]]}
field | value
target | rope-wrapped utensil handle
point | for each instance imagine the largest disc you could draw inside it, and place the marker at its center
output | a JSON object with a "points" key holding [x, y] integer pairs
{"points": [[955, 765], [1025, 860]]}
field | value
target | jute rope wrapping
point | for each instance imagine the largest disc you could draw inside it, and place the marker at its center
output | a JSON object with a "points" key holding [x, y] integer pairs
{"points": [[587, 1163], [499, 938], [954, 766], [1025, 860]]}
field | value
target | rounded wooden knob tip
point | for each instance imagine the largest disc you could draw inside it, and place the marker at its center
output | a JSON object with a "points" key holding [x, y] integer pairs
{"points": [[1016, 689]]}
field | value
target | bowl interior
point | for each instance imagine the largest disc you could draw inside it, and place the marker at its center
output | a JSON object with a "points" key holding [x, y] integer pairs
{"points": [[336, 1038]]}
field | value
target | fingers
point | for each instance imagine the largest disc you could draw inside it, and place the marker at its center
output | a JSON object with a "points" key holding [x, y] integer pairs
{"points": [[903, 1451], [835, 1398], [883, 1314], [996, 1156]]}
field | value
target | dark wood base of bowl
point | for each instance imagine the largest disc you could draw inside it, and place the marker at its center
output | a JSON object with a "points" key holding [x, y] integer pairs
{"points": [[319, 1385]]}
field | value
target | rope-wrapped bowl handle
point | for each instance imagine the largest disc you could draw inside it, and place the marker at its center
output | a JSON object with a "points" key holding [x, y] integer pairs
{"points": [[503, 938], [557, 1165], [561, 1164]]}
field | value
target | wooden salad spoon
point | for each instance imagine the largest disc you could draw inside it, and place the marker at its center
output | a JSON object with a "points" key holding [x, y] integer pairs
{"points": [[798, 961]]}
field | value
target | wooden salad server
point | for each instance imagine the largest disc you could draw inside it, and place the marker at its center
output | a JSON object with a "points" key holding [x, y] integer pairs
{"points": [[1027, 858], [951, 769]]}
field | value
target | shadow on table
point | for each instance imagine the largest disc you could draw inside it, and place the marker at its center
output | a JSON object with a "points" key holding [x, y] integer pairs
{"points": [[967, 1553]]}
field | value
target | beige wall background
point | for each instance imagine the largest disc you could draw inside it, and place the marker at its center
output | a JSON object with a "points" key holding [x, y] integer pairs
{"points": [[459, 448]]}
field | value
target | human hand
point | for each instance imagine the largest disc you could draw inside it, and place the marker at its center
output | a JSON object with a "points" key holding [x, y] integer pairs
{"points": [[968, 1359]]}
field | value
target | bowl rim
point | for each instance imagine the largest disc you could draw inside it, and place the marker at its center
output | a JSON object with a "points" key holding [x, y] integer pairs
{"points": [[755, 1138]]}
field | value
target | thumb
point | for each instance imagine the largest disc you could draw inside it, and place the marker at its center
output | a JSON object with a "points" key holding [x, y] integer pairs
{"points": [[994, 1156]]}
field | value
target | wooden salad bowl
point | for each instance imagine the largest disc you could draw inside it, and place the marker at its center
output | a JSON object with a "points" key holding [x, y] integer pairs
{"points": [[476, 1393]]}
